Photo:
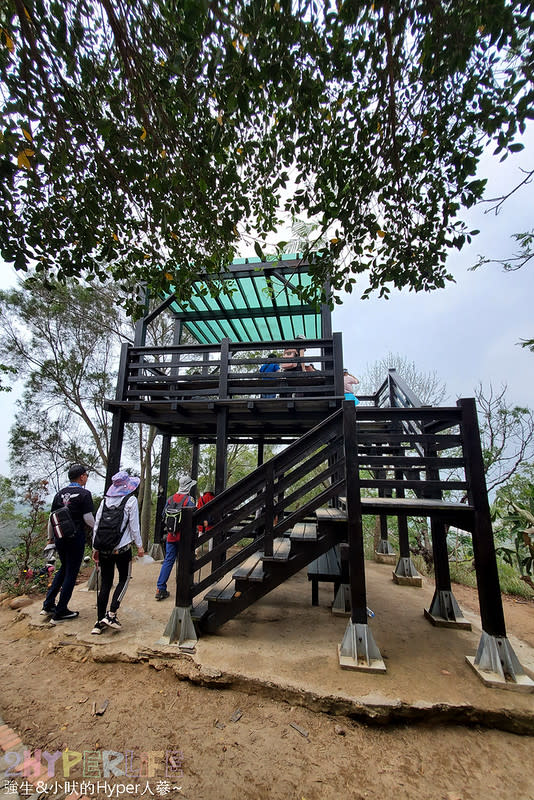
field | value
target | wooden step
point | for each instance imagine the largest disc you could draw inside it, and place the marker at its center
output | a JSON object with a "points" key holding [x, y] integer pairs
{"points": [[199, 611], [327, 514], [414, 506], [222, 592], [281, 550], [304, 531], [406, 504], [251, 569]]}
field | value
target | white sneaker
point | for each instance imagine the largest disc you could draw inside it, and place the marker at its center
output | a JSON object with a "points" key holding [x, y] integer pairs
{"points": [[111, 620], [99, 627]]}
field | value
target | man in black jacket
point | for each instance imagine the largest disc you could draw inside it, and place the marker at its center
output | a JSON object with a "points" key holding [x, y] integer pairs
{"points": [[70, 550]]}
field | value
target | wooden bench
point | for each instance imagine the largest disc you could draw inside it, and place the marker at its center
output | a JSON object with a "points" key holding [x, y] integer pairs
{"points": [[326, 568]]}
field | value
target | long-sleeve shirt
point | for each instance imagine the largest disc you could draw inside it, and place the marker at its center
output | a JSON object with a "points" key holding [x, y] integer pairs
{"points": [[130, 523], [348, 381]]}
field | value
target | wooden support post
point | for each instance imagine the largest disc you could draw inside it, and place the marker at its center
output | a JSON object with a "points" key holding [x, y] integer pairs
{"points": [[443, 610], [180, 629], [495, 661], [385, 553], [222, 422], [354, 517], [326, 313], [221, 448], [358, 649], [224, 368], [115, 445], [489, 591], [117, 426], [221, 444], [405, 572], [162, 486], [337, 346], [186, 555]]}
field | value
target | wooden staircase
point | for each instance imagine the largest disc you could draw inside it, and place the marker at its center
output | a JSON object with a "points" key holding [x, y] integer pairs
{"points": [[260, 574], [388, 461]]}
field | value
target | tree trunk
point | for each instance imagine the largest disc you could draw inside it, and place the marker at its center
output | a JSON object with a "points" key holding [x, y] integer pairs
{"points": [[376, 538], [146, 489]]}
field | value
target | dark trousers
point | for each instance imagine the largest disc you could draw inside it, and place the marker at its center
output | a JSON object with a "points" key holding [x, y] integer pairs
{"points": [[70, 552], [108, 562]]}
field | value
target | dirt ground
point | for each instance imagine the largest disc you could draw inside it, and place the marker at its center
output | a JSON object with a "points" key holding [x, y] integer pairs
{"points": [[228, 744]]}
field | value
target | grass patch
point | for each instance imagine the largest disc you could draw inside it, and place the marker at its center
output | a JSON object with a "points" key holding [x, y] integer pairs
{"points": [[509, 579]]}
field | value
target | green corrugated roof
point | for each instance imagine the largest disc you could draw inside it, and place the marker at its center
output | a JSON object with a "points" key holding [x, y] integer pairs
{"points": [[261, 306]]}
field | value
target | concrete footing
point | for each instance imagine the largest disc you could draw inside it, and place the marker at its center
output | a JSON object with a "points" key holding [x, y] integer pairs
{"points": [[385, 558], [406, 574], [359, 651], [445, 612], [180, 630], [496, 664]]}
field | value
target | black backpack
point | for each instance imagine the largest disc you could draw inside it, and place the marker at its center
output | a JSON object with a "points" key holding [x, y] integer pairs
{"points": [[110, 528], [172, 516], [62, 523]]}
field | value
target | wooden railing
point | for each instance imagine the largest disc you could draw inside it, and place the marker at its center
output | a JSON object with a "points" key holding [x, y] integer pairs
{"points": [[311, 471], [409, 449], [230, 370], [262, 506]]}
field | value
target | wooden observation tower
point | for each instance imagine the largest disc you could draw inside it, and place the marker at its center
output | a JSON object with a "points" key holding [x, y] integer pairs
{"points": [[389, 456]]}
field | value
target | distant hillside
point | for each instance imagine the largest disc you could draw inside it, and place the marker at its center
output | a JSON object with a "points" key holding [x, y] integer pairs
{"points": [[9, 535]]}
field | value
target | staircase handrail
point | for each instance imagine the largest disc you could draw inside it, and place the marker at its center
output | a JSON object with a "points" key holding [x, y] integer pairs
{"points": [[243, 509]]}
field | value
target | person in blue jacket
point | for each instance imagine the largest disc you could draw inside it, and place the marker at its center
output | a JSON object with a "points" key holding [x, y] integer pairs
{"points": [[269, 369]]}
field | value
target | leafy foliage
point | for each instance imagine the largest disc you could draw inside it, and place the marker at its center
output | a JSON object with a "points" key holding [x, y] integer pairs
{"points": [[140, 140], [23, 568], [514, 512], [58, 338], [4, 371]]}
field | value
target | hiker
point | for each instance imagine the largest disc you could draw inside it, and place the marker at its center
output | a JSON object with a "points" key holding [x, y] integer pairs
{"points": [[268, 370], [203, 499], [349, 382], [293, 352], [70, 546], [171, 514], [294, 366], [117, 523]]}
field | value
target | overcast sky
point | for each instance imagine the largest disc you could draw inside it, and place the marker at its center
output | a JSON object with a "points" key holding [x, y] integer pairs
{"points": [[466, 333]]}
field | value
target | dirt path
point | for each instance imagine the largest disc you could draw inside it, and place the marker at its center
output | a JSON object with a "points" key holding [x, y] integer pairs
{"points": [[271, 749]]}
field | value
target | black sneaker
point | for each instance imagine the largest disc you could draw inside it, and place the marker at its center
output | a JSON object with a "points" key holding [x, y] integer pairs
{"points": [[61, 616], [47, 612], [111, 620], [162, 594], [99, 627]]}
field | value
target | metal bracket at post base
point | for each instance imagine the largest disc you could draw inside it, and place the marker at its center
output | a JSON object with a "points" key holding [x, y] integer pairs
{"points": [[445, 612], [92, 583], [497, 665], [342, 605], [385, 548], [385, 553], [156, 551], [180, 630], [406, 574], [358, 649]]}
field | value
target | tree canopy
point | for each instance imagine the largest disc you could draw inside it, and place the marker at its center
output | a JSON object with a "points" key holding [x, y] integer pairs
{"points": [[141, 140]]}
